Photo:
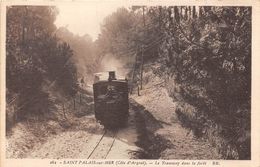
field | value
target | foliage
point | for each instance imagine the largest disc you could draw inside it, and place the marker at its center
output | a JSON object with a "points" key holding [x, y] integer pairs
{"points": [[84, 50], [34, 57], [206, 50], [132, 36], [209, 55]]}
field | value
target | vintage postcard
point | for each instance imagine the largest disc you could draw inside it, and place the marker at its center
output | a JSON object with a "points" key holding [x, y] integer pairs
{"points": [[130, 83]]}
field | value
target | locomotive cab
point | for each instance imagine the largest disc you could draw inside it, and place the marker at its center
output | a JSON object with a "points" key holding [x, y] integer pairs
{"points": [[111, 103]]}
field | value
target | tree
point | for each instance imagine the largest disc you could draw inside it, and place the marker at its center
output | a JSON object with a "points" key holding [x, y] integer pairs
{"points": [[33, 56], [210, 58]]}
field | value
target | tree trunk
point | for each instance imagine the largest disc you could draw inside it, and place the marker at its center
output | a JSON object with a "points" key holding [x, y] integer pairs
{"points": [[186, 13], [142, 64], [194, 13], [176, 14], [189, 9]]}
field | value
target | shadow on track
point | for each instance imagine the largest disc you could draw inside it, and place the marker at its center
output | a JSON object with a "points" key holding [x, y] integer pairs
{"points": [[146, 124]]}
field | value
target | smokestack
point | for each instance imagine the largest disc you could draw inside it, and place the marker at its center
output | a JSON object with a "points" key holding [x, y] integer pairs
{"points": [[112, 75]]}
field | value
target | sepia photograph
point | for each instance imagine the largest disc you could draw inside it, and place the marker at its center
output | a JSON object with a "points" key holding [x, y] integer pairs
{"points": [[119, 81]]}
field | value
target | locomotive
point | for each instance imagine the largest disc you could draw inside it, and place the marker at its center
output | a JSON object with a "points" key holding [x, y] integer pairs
{"points": [[111, 103]]}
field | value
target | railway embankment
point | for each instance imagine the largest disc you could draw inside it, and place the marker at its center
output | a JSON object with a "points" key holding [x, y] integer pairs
{"points": [[28, 135], [163, 134]]}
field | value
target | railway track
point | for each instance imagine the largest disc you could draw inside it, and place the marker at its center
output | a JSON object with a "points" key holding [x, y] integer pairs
{"points": [[104, 145]]}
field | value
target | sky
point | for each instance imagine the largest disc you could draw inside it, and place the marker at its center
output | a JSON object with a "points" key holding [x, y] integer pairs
{"points": [[84, 18]]}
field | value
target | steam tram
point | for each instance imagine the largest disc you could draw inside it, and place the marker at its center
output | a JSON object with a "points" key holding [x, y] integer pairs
{"points": [[111, 103]]}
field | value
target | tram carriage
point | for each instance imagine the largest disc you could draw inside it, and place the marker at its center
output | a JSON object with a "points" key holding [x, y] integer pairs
{"points": [[111, 103]]}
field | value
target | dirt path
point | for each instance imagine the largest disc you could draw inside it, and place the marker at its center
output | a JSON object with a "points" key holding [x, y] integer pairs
{"points": [[159, 111]]}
